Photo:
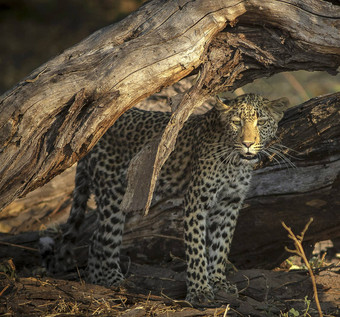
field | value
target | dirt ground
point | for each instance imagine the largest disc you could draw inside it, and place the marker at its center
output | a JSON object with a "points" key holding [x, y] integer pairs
{"points": [[160, 291]]}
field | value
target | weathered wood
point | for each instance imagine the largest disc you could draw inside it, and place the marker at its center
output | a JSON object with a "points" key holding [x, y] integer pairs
{"points": [[149, 161], [53, 117], [45, 206], [278, 194], [50, 204]]}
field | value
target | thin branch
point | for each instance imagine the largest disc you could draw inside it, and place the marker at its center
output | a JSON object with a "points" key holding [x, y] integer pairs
{"points": [[299, 251], [19, 246]]}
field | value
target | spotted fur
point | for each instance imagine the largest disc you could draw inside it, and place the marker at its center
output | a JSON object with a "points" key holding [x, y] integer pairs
{"points": [[212, 164]]}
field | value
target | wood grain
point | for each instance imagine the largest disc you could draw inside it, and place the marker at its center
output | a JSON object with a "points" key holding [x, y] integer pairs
{"points": [[55, 115]]}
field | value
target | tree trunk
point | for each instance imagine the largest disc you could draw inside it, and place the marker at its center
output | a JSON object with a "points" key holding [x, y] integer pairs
{"points": [[278, 193], [55, 116]]}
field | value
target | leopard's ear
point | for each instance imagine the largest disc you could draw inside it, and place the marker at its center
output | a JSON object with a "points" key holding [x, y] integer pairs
{"points": [[278, 107], [222, 104]]}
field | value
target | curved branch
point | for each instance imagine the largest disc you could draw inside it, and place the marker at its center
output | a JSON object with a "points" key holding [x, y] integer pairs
{"points": [[54, 117]]}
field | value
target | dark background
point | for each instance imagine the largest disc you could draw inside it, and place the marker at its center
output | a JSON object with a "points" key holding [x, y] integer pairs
{"points": [[34, 31]]}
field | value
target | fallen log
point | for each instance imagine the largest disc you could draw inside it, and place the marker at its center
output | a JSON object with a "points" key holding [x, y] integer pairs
{"points": [[278, 193], [162, 291], [55, 116]]}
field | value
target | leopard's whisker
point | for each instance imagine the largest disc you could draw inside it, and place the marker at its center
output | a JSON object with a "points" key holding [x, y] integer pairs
{"points": [[227, 160], [274, 146], [216, 154], [258, 146], [234, 159], [271, 157], [283, 157], [286, 147]]}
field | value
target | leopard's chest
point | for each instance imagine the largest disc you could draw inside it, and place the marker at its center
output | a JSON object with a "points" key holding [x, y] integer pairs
{"points": [[230, 183], [236, 184]]}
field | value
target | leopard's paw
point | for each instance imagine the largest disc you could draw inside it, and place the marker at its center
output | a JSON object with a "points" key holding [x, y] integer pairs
{"points": [[201, 298], [225, 291]]}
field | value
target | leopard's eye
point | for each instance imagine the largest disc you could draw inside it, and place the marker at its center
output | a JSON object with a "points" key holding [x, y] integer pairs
{"points": [[236, 121], [261, 121]]}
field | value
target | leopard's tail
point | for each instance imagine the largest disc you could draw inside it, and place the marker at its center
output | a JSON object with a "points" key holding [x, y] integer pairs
{"points": [[81, 195], [59, 256], [64, 254]]}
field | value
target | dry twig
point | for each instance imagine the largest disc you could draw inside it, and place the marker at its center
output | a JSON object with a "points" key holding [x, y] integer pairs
{"points": [[300, 252]]}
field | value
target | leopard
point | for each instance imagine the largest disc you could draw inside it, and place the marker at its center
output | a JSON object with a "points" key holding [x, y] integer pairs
{"points": [[211, 167]]}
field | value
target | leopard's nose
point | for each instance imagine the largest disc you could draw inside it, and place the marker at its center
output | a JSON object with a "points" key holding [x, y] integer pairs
{"points": [[247, 144]]}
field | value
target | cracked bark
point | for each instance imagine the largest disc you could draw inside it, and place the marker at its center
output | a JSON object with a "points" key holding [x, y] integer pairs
{"points": [[278, 193], [54, 116]]}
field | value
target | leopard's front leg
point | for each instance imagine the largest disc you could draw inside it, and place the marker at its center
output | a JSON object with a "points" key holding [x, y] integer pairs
{"points": [[199, 292], [221, 226]]}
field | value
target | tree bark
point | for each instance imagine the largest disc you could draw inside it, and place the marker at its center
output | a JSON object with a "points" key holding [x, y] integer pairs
{"points": [[278, 193], [54, 117]]}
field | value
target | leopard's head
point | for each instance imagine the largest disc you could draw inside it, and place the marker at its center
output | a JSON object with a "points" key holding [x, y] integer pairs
{"points": [[251, 122]]}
